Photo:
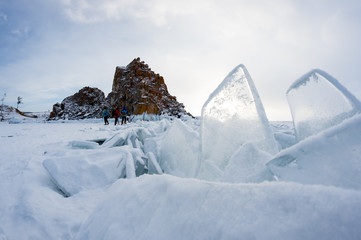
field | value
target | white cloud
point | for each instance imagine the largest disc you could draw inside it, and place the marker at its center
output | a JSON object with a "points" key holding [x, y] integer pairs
{"points": [[156, 11], [16, 32], [3, 18]]}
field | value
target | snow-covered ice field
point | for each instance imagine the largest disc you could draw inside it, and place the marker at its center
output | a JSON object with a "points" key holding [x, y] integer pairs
{"points": [[165, 206]]}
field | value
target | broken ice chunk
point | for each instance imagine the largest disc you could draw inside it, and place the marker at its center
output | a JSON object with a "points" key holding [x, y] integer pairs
{"points": [[83, 144], [85, 169], [179, 151], [232, 116], [331, 157], [318, 101], [248, 164], [153, 166]]}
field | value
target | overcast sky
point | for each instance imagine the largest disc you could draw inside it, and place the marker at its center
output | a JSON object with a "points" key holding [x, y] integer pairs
{"points": [[50, 49]]}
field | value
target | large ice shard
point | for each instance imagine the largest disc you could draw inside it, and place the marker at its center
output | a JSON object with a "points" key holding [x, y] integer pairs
{"points": [[232, 116], [318, 101]]}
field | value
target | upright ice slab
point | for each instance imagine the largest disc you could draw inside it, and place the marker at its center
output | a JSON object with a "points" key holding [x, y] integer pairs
{"points": [[318, 101], [232, 116]]}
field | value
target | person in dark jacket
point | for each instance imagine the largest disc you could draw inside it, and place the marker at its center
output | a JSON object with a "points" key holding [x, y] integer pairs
{"points": [[116, 116], [124, 114], [105, 116]]}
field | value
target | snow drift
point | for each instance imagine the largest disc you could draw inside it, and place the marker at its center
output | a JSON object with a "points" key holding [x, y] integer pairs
{"points": [[166, 207]]}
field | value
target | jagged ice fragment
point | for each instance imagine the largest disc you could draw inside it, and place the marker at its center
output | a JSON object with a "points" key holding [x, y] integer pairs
{"points": [[232, 116], [179, 151], [318, 101]]}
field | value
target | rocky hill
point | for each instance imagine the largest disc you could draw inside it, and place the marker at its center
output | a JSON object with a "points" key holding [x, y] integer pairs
{"points": [[87, 103], [135, 86], [141, 90]]}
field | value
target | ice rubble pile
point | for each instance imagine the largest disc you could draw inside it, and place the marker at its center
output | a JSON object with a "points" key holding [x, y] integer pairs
{"points": [[234, 143], [97, 163]]}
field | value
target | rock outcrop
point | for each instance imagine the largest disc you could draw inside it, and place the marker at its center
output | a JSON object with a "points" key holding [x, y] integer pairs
{"points": [[141, 90], [135, 86], [87, 103]]}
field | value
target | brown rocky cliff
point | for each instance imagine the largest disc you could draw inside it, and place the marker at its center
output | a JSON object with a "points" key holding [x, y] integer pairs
{"points": [[141, 90]]}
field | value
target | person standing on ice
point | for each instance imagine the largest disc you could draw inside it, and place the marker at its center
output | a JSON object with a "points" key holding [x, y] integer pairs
{"points": [[116, 116], [106, 116], [124, 114]]}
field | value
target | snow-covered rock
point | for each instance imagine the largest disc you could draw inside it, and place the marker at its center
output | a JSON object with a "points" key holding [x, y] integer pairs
{"points": [[86, 103]]}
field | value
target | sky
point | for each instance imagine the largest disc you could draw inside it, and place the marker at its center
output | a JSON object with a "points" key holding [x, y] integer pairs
{"points": [[50, 49]]}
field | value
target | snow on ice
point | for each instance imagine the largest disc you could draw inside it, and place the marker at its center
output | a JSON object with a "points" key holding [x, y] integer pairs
{"points": [[167, 207], [220, 177]]}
